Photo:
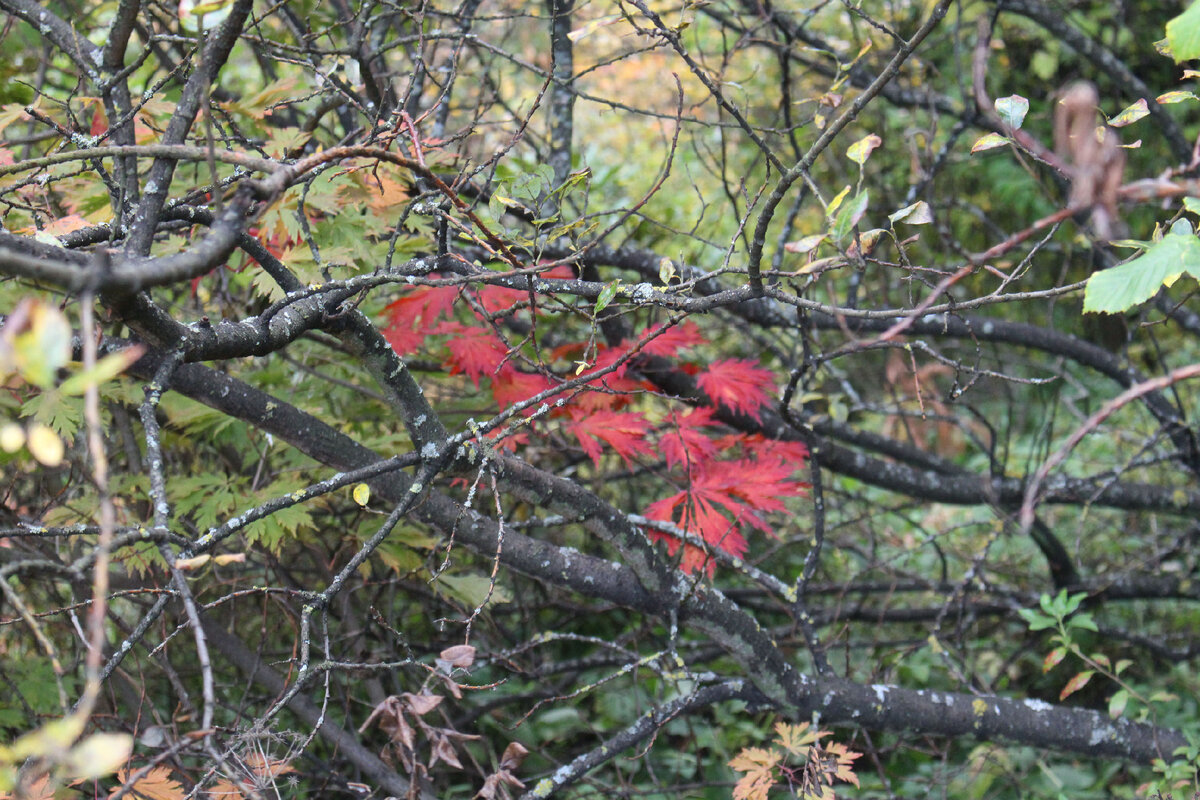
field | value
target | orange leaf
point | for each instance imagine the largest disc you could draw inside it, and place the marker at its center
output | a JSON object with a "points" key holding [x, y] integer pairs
{"points": [[154, 785]]}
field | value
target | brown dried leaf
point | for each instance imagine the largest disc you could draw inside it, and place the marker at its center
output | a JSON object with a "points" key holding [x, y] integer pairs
{"points": [[442, 749], [225, 790], [461, 655], [514, 754], [422, 704]]}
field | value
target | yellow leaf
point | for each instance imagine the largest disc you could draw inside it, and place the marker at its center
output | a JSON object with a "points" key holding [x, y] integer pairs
{"points": [[98, 755], [12, 437], [45, 445], [362, 494], [861, 150], [988, 142], [193, 563]]}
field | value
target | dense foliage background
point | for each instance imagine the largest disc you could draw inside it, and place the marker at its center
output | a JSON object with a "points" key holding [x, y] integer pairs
{"points": [[632, 399]]}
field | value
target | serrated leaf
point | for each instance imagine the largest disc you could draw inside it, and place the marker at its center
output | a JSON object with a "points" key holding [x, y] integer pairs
{"points": [[1120, 288], [1076, 683], [989, 141], [1131, 114], [918, 213], [1012, 110], [861, 150], [157, 784], [1183, 34]]}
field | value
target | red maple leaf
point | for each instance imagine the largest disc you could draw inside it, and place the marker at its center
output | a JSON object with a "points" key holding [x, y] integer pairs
{"points": [[474, 351], [670, 341], [738, 384], [624, 431], [511, 386], [696, 512], [721, 497], [410, 317], [684, 442], [498, 298]]}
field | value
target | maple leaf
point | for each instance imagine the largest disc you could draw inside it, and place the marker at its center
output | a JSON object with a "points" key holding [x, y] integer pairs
{"points": [[41, 789], [759, 766], [474, 351], [662, 340], [410, 316], [844, 759], [796, 739], [795, 453], [226, 790], [695, 511], [511, 386], [499, 298], [758, 485], [738, 384], [684, 443], [156, 784], [624, 432]]}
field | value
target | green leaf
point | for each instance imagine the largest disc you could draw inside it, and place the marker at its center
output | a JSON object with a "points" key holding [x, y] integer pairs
{"points": [[62, 414], [1036, 620], [1183, 34], [1116, 705], [849, 215], [1122, 287], [1012, 110], [1083, 621], [472, 590], [103, 371], [44, 347], [606, 295], [1130, 115]]}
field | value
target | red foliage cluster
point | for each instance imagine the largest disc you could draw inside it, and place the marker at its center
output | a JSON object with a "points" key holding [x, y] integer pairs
{"points": [[728, 481]]}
